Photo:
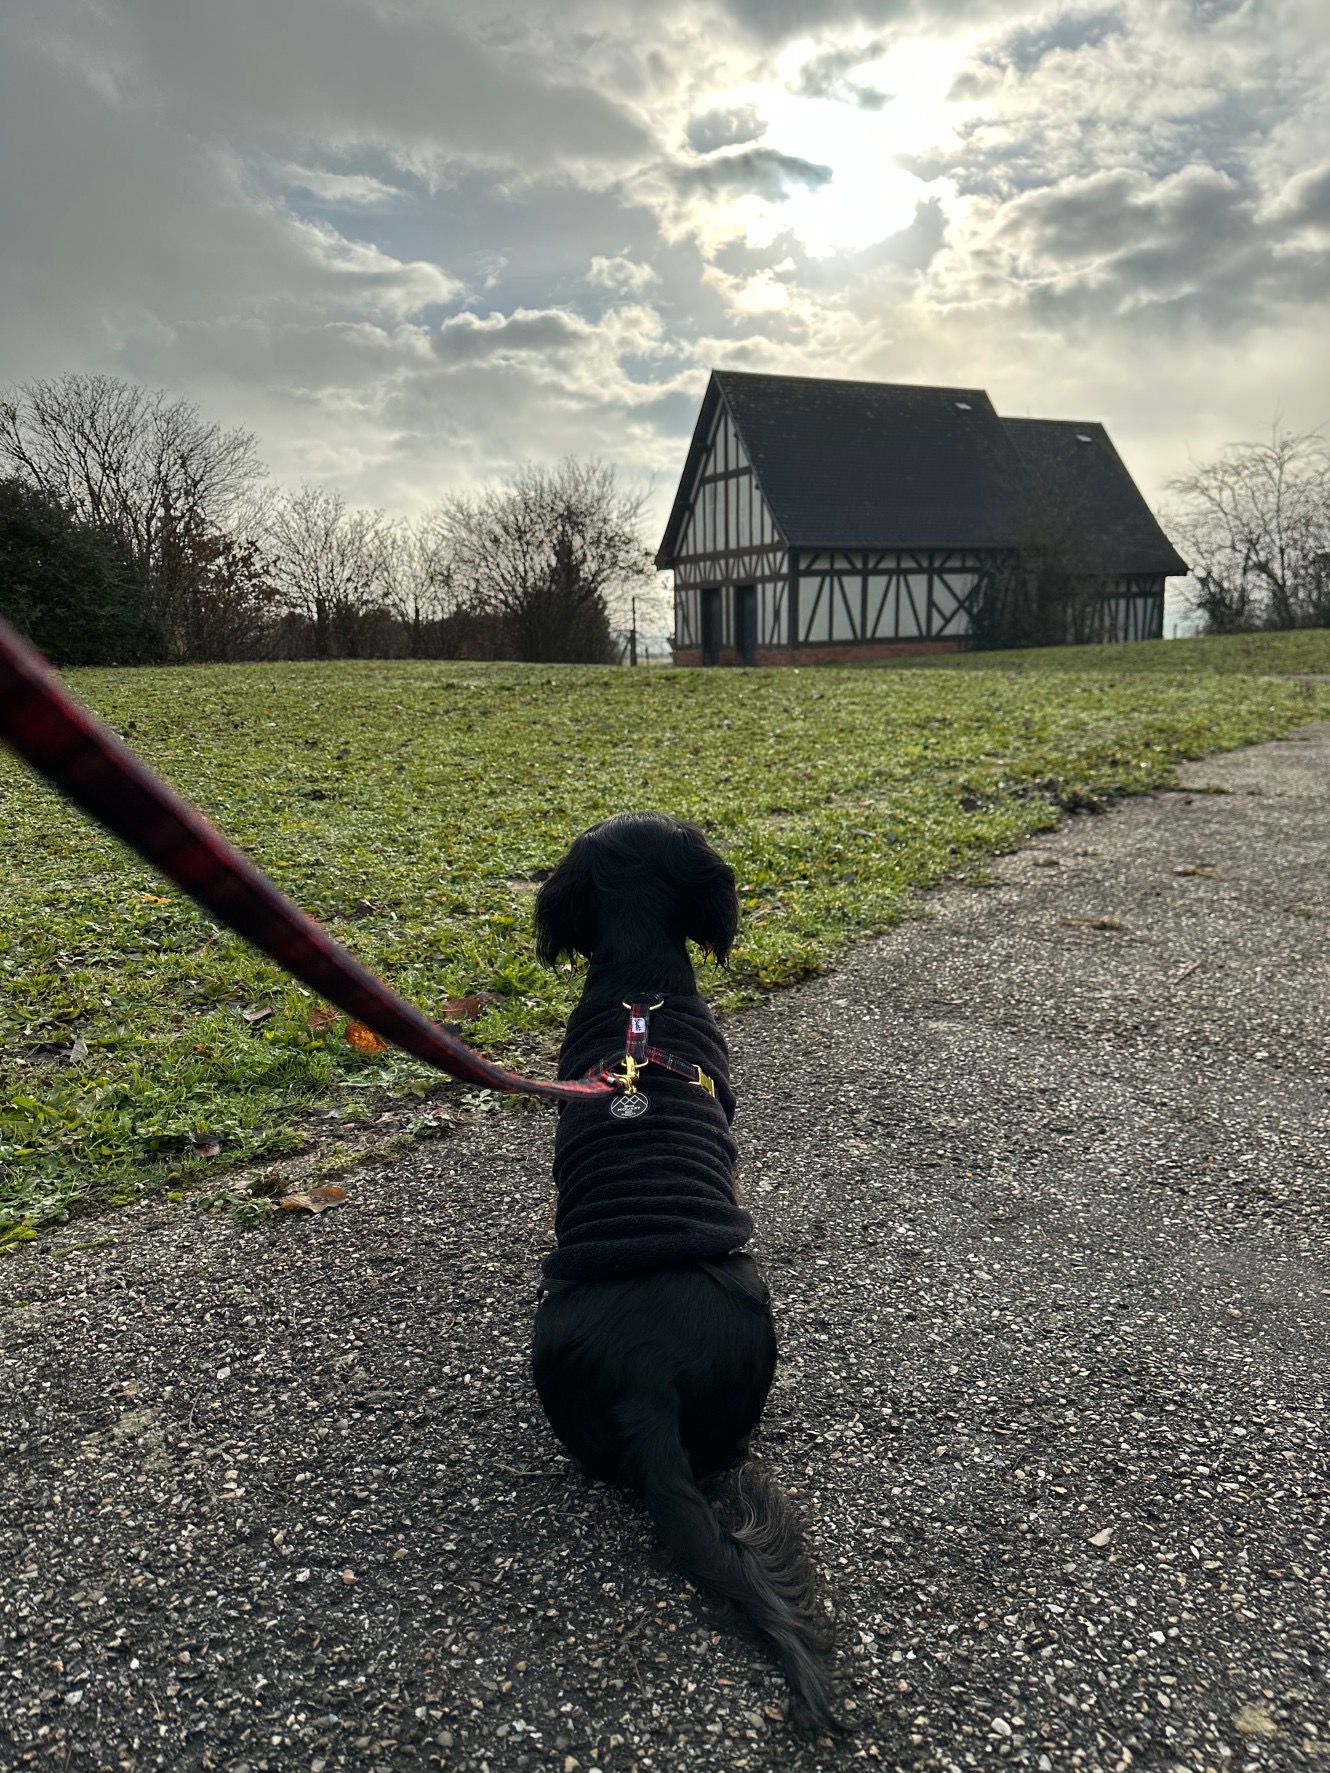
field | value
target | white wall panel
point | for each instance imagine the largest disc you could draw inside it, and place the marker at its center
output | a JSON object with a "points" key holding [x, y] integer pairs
{"points": [[881, 607], [771, 604], [845, 608], [815, 609], [950, 617], [687, 626], [911, 606]]}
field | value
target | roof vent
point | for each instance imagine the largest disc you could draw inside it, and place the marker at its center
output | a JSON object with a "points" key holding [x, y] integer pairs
{"points": [[1082, 438], [962, 406]]}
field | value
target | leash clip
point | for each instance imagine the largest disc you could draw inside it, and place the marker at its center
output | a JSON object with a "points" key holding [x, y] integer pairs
{"points": [[628, 1077]]}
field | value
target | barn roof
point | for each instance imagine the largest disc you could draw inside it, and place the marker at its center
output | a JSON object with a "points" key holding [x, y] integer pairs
{"points": [[1076, 467], [887, 464]]}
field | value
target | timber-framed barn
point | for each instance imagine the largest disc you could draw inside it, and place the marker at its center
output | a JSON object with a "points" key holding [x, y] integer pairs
{"points": [[819, 521]]}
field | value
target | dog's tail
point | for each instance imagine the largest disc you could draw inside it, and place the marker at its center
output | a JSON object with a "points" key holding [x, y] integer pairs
{"points": [[758, 1564]]}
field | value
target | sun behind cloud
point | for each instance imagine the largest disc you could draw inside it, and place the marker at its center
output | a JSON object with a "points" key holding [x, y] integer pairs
{"points": [[412, 246], [853, 114]]}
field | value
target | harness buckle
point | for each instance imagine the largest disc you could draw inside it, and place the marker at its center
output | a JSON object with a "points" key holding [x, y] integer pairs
{"points": [[628, 1077], [705, 1083]]}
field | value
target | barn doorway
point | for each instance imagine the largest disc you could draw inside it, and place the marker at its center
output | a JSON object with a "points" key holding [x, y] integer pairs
{"points": [[711, 625], [745, 622]]}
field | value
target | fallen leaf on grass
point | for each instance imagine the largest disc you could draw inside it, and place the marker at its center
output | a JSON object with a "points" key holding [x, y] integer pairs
{"points": [[156, 899], [253, 1016], [318, 1200], [363, 1039], [207, 1145], [462, 1009], [320, 1018], [76, 1053], [1094, 923], [1254, 1720]]}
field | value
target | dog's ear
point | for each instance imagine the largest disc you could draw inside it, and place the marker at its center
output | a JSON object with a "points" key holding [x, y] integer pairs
{"points": [[708, 901], [566, 909]]}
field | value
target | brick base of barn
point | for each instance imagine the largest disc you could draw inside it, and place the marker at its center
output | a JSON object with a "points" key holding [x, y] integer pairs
{"points": [[851, 653]]}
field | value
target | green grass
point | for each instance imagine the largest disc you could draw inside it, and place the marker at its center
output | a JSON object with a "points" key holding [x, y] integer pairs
{"points": [[1301, 651], [439, 790]]}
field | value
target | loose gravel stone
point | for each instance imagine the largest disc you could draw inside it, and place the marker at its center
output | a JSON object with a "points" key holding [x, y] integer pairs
{"points": [[1040, 1186]]}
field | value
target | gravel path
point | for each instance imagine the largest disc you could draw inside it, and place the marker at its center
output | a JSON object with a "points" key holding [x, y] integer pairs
{"points": [[1040, 1183]]}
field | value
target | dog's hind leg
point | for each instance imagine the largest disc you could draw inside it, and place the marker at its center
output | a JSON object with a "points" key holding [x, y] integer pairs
{"points": [[578, 1399]]}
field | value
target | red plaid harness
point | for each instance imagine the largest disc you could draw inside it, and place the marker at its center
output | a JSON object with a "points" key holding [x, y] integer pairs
{"points": [[637, 1055], [90, 766]]}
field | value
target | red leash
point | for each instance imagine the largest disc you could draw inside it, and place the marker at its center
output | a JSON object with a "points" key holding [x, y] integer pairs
{"points": [[90, 766]]}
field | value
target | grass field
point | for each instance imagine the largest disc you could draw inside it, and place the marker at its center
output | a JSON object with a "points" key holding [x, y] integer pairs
{"points": [[1304, 650], [409, 806]]}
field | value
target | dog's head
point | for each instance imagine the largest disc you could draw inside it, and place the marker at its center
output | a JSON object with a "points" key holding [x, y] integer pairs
{"points": [[643, 868]]}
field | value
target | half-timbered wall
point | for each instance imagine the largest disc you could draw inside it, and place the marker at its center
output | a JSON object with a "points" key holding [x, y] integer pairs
{"points": [[729, 538], [893, 595], [1132, 609]]}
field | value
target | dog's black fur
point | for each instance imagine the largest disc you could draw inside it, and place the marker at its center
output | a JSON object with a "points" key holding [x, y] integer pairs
{"points": [[655, 1375]]}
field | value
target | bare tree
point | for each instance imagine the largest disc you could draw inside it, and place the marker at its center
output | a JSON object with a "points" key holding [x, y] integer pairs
{"points": [[330, 564], [174, 490], [1255, 523], [546, 562], [1044, 589], [222, 594], [417, 585]]}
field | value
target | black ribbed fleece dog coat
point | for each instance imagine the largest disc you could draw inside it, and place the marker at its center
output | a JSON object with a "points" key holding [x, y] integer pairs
{"points": [[657, 1190]]}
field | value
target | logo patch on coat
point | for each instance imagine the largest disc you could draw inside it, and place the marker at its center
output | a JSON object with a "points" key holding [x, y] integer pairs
{"points": [[629, 1107]]}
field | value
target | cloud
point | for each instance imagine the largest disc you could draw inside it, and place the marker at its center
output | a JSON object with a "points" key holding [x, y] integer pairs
{"points": [[341, 190], [467, 339], [621, 275], [824, 73], [118, 220], [1065, 33], [345, 72], [756, 172], [580, 354], [725, 127], [1305, 200], [1191, 247], [1096, 221], [413, 242], [773, 22]]}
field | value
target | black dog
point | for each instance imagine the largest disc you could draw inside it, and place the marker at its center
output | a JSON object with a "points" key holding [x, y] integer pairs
{"points": [[654, 1346]]}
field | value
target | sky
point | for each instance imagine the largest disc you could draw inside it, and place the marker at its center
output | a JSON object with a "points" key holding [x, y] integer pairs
{"points": [[411, 244]]}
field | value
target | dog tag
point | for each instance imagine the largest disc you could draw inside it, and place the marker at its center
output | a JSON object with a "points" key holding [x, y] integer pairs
{"points": [[629, 1107]]}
